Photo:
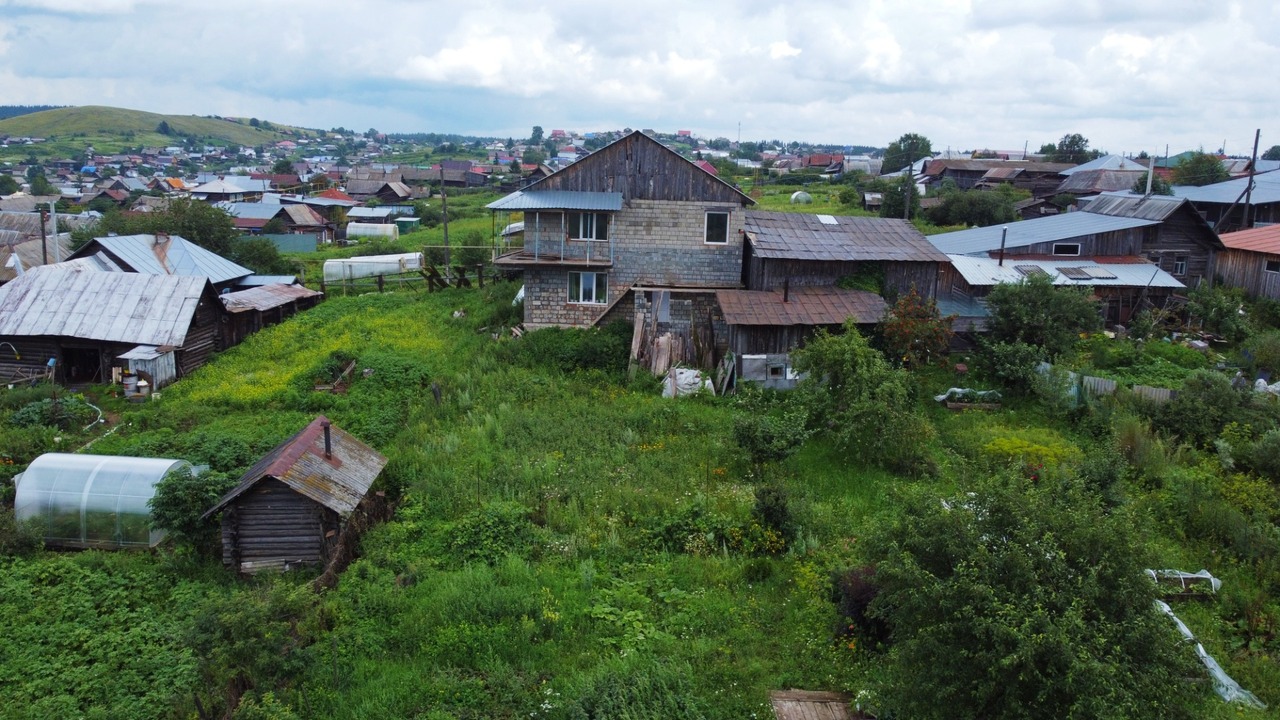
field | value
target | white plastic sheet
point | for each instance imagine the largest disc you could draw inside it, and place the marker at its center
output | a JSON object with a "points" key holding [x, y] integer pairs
{"points": [[685, 381]]}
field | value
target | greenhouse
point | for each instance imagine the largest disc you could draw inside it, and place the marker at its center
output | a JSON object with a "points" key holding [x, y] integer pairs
{"points": [[95, 501]]}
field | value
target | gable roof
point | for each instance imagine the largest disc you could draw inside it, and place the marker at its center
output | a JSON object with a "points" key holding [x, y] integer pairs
{"points": [[1266, 189], [337, 482], [1126, 204], [799, 236], [1259, 239], [1051, 228], [265, 297], [1098, 181], [639, 167], [176, 256], [1107, 162], [107, 306]]}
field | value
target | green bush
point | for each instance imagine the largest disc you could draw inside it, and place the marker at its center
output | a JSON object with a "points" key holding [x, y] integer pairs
{"points": [[1263, 350], [638, 688], [66, 413], [571, 349], [1012, 365], [493, 532], [1202, 407], [181, 498]]}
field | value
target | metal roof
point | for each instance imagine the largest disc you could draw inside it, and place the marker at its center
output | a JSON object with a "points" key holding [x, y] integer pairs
{"points": [[251, 210], [1107, 162], [1051, 228], [175, 256], [798, 236], [258, 280], [107, 306], [265, 297], [337, 482], [1097, 181], [1266, 189], [984, 271], [1260, 239], [804, 306], [558, 200], [1126, 204]]}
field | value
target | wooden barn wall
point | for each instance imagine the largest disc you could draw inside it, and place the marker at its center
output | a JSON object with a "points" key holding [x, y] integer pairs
{"points": [[642, 169], [1183, 235], [271, 522], [899, 277], [203, 336], [1240, 268], [1119, 242], [765, 339], [33, 353]]}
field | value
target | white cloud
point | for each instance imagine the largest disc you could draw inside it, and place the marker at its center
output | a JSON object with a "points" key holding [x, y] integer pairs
{"points": [[779, 50]]}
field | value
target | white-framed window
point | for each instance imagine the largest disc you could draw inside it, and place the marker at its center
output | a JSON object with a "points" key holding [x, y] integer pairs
{"points": [[588, 225], [589, 288], [1273, 266], [717, 229], [1066, 249], [1179, 264]]}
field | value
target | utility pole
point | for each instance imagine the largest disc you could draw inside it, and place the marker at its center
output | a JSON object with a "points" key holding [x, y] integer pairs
{"points": [[44, 245], [1248, 188], [444, 213]]}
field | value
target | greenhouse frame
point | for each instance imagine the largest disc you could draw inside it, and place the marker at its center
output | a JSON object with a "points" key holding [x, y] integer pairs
{"points": [[92, 501]]}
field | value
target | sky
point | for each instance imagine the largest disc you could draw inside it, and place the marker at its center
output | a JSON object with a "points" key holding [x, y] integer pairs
{"points": [[1129, 75]]}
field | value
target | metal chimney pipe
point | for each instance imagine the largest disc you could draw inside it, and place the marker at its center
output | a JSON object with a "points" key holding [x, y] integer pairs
{"points": [[1004, 233], [328, 442]]}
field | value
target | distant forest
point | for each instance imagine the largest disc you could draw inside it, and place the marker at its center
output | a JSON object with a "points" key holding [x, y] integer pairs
{"points": [[8, 111], [437, 138]]}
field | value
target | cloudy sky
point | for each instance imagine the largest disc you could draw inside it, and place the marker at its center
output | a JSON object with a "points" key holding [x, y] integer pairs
{"points": [[1129, 75]]}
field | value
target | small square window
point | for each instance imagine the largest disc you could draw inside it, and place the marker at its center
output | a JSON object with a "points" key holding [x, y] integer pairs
{"points": [[1273, 266], [717, 228], [589, 288], [1179, 264], [777, 371], [1066, 249]]}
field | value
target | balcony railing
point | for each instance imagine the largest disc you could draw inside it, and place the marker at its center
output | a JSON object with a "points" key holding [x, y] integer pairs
{"points": [[554, 246]]}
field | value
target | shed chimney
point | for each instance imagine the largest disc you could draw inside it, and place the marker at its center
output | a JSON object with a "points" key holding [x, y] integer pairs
{"points": [[328, 442]]}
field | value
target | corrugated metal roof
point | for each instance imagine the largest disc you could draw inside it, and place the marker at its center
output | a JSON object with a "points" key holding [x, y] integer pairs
{"points": [[558, 200], [177, 256], [805, 306], [1097, 181], [107, 306], [985, 271], [258, 280], [1259, 239], [1051, 228], [797, 236], [1266, 189], [1153, 207], [265, 297], [251, 210], [338, 482], [1107, 162]]}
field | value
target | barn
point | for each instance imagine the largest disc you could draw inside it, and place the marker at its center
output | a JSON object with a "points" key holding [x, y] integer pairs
{"points": [[287, 511]]}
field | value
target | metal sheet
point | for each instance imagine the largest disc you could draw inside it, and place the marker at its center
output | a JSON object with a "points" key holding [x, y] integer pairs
{"points": [[1052, 228], [558, 200], [802, 306], [797, 236]]}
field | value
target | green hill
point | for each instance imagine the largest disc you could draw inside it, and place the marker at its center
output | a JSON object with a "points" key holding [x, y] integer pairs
{"points": [[107, 129]]}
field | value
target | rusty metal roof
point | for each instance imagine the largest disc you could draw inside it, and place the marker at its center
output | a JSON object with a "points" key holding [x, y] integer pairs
{"points": [[796, 236], [804, 306], [1260, 239], [337, 482], [265, 297], [107, 306]]}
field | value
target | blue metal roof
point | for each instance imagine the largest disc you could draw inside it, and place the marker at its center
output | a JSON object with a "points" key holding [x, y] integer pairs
{"points": [[1266, 189], [559, 200], [1030, 232], [175, 256]]}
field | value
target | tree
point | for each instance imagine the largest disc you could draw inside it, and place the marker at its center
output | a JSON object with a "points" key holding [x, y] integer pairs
{"points": [[515, 166], [974, 207], [275, 226], [1036, 312], [1022, 599], [163, 128], [1072, 149], [1048, 150], [181, 499], [282, 167], [40, 185], [895, 197], [535, 138], [1199, 168], [8, 185], [906, 150], [914, 332], [533, 156], [203, 224], [1159, 186], [1272, 153]]}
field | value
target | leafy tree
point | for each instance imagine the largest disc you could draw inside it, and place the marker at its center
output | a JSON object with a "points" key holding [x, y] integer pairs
{"points": [[533, 156], [1036, 312], [1022, 599], [1048, 150], [1272, 153], [974, 207], [275, 226], [1159, 186], [535, 138], [40, 185], [282, 167], [254, 122], [770, 437], [8, 185], [163, 128], [1200, 168], [1073, 149], [1218, 309], [906, 150], [863, 402], [181, 498], [201, 223], [260, 255], [914, 331], [895, 198], [515, 166]]}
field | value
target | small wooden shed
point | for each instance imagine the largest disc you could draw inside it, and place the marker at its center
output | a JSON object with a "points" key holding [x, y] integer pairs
{"points": [[289, 508]]}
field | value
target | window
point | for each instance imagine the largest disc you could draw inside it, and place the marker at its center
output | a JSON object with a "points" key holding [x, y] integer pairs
{"points": [[717, 228], [1273, 266], [1179, 264], [591, 288], [1066, 248], [588, 226]]}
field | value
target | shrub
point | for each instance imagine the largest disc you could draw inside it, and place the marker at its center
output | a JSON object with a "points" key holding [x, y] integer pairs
{"points": [[770, 437], [637, 688], [570, 349], [914, 332], [1012, 365], [1037, 312], [65, 413], [17, 538], [1204, 405], [181, 499], [1218, 309], [492, 532], [1263, 350], [772, 510], [853, 591]]}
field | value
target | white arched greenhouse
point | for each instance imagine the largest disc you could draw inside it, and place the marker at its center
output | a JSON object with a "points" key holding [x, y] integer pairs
{"points": [[97, 501]]}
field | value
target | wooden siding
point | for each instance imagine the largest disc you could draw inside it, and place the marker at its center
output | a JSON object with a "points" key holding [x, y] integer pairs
{"points": [[769, 274], [1115, 243], [1183, 234], [1244, 269], [271, 525], [641, 168]]}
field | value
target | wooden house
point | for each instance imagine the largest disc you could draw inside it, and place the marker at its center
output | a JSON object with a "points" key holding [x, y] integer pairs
{"points": [[1235, 204], [1251, 261], [78, 322], [632, 216], [1182, 243], [162, 254], [289, 508], [249, 311]]}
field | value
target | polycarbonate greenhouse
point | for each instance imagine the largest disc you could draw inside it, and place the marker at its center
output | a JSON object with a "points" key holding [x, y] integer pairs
{"points": [[92, 500]]}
